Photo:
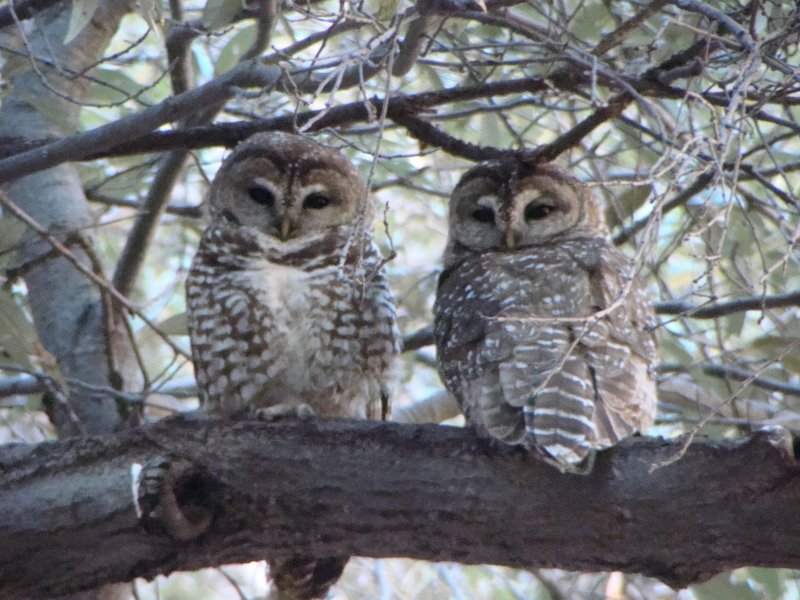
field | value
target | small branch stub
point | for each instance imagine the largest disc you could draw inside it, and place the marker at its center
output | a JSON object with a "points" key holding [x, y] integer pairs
{"points": [[175, 497]]}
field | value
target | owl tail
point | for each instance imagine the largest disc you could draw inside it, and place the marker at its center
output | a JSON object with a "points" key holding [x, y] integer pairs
{"points": [[559, 421], [304, 578]]}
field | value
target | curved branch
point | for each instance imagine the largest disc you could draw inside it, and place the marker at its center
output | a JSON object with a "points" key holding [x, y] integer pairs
{"points": [[79, 146], [188, 493]]}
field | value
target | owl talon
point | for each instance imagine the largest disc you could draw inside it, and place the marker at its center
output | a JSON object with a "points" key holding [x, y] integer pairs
{"points": [[300, 411]]}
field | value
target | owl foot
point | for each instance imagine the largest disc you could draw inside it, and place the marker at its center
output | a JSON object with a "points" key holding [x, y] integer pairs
{"points": [[283, 410]]}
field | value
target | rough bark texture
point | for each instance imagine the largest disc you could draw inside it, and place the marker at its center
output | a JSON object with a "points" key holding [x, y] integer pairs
{"points": [[234, 492], [72, 324]]}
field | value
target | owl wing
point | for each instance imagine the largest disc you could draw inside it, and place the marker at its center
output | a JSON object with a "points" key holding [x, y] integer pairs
{"points": [[516, 349], [589, 367], [622, 350], [231, 339], [382, 340], [470, 347]]}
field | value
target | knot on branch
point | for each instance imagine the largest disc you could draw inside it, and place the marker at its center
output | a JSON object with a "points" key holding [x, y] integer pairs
{"points": [[177, 498]]}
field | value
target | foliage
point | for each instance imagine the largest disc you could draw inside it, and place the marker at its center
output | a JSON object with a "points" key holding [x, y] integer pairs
{"points": [[683, 115]]}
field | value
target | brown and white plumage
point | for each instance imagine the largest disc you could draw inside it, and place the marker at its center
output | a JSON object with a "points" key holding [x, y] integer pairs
{"points": [[288, 307], [543, 331]]}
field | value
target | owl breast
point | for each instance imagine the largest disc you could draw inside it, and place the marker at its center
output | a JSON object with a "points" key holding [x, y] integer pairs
{"points": [[265, 332], [556, 358]]}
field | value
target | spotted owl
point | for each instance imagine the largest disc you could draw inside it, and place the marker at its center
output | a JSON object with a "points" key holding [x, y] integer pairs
{"points": [[543, 331], [289, 310]]}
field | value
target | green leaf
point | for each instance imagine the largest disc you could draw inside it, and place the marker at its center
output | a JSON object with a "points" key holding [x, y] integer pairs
{"points": [[82, 12], [175, 325], [218, 13], [112, 86], [591, 21], [734, 323], [769, 581], [722, 588], [17, 336], [234, 49], [51, 107], [11, 232], [387, 9], [626, 204], [774, 345]]}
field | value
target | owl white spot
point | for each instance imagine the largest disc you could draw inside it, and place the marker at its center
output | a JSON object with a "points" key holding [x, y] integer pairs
{"points": [[346, 330], [238, 375], [136, 469], [248, 392], [341, 344]]}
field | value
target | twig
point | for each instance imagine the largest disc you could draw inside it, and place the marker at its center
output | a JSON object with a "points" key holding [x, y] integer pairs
{"points": [[717, 15], [735, 374], [99, 281]]}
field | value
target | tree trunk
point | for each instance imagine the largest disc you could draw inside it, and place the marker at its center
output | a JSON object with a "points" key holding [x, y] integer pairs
{"points": [[89, 344]]}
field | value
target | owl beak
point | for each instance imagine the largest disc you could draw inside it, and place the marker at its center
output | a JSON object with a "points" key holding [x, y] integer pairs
{"points": [[286, 228], [511, 238]]}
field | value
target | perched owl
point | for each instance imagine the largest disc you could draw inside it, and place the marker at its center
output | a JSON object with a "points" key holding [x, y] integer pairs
{"points": [[289, 311], [543, 332]]}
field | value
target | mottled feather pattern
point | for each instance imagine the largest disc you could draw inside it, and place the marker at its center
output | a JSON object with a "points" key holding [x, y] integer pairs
{"points": [[543, 332], [288, 305], [564, 386], [257, 323]]}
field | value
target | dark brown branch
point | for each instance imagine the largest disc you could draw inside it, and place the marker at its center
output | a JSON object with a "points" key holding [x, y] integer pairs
{"points": [[430, 135], [78, 147], [418, 339], [218, 492], [24, 10], [712, 310], [573, 137], [734, 374], [724, 20]]}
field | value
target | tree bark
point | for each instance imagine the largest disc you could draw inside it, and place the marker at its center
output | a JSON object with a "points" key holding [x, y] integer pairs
{"points": [[72, 320], [78, 513]]}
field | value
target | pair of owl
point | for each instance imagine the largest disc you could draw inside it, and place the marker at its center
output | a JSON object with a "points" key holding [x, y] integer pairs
{"points": [[542, 330]]}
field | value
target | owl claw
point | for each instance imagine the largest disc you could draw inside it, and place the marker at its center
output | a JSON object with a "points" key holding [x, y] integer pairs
{"points": [[283, 410]]}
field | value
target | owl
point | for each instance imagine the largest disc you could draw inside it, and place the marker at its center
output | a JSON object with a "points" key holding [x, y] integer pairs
{"points": [[289, 309], [543, 331]]}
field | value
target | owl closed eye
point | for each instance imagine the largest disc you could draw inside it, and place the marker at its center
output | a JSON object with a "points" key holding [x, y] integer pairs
{"points": [[543, 332]]}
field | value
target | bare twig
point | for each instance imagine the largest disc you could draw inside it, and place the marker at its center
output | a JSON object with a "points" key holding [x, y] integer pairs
{"points": [[76, 262]]}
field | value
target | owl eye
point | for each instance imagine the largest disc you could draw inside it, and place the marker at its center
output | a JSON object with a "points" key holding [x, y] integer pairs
{"points": [[261, 195], [535, 211], [483, 214], [317, 200]]}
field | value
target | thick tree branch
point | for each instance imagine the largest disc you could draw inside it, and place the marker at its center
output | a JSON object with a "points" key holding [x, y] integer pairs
{"points": [[214, 492], [78, 146]]}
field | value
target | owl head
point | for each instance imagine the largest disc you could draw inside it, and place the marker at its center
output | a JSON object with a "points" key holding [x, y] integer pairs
{"points": [[510, 204], [286, 186]]}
